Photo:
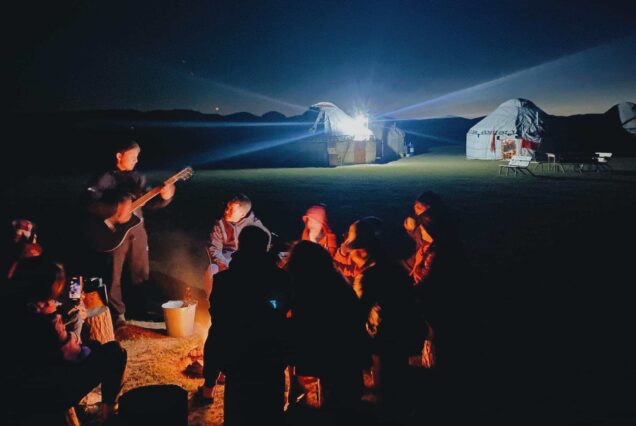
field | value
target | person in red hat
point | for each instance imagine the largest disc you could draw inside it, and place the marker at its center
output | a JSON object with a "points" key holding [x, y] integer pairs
{"points": [[317, 229]]}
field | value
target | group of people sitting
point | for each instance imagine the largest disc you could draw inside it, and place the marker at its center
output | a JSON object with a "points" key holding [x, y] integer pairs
{"points": [[326, 310]]}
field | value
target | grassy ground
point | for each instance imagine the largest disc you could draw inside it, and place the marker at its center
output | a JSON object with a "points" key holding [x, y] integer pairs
{"points": [[548, 318]]}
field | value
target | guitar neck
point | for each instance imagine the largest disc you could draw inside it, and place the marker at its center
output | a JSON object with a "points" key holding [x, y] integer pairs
{"points": [[182, 175], [139, 202]]}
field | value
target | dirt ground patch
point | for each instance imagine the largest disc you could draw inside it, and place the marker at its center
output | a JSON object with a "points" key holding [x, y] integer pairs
{"points": [[155, 358]]}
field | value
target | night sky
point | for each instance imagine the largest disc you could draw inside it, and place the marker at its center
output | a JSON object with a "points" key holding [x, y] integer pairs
{"points": [[400, 58]]}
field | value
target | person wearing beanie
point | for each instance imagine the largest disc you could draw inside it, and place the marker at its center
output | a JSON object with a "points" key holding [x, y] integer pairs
{"points": [[317, 229], [112, 190]]}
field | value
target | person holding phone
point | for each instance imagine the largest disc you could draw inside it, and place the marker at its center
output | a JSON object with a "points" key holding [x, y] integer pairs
{"points": [[52, 365], [73, 307]]}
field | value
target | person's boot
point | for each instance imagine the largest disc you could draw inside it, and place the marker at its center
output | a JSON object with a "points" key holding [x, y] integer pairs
{"points": [[119, 321]]}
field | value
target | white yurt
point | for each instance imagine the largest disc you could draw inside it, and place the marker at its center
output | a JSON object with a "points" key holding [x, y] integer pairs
{"points": [[627, 115], [348, 141], [390, 139], [516, 127]]}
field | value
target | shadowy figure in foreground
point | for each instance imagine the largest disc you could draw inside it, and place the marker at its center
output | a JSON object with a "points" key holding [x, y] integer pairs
{"points": [[247, 338], [328, 337]]}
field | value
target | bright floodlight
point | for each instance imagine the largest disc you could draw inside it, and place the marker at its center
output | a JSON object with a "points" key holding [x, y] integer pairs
{"points": [[337, 122], [362, 120]]}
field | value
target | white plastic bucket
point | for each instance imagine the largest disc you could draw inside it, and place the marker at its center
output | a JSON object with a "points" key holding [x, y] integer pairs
{"points": [[179, 317]]}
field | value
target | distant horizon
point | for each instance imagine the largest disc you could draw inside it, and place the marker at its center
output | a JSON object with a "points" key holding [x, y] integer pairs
{"points": [[220, 114]]}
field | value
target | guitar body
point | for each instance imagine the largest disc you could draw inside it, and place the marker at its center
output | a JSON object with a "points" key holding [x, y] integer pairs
{"points": [[103, 239]]}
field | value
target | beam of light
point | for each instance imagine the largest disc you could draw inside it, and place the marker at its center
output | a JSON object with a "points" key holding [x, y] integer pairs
{"points": [[458, 94], [205, 124], [392, 120], [240, 91], [557, 67], [429, 136], [256, 95], [204, 84], [227, 151]]}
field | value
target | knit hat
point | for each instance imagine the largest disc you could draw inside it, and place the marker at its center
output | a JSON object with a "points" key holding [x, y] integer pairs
{"points": [[317, 213], [24, 225]]}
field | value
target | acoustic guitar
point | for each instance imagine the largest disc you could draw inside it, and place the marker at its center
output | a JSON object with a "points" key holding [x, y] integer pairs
{"points": [[105, 236]]}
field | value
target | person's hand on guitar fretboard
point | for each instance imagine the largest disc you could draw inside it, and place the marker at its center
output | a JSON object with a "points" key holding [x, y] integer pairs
{"points": [[167, 191]]}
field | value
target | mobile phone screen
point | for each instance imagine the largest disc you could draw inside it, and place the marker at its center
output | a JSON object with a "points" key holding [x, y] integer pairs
{"points": [[75, 288]]}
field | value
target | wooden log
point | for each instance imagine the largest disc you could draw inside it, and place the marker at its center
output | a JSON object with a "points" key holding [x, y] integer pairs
{"points": [[100, 325]]}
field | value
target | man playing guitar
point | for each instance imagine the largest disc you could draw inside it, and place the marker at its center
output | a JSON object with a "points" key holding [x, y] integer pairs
{"points": [[132, 251]]}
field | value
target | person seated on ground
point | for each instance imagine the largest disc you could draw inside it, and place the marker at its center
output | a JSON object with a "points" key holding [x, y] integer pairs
{"points": [[426, 215], [439, 270], [328, 337], [317, 229], [50, 370], [247, 338], [20, 244], [393, 320], [342, 256], [73, 312], [225, 235], [420, 264]]}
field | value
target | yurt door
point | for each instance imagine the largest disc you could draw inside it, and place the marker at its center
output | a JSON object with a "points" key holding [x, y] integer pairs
{"points": [[360, 152]]}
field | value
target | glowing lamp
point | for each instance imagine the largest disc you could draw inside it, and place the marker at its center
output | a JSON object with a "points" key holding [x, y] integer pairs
{"points": [[362, 120]]}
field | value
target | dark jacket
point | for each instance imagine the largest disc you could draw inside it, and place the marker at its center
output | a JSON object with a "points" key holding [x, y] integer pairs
{"points": [[131, 182], [328, 324], [393, 319], [248, 306]]}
